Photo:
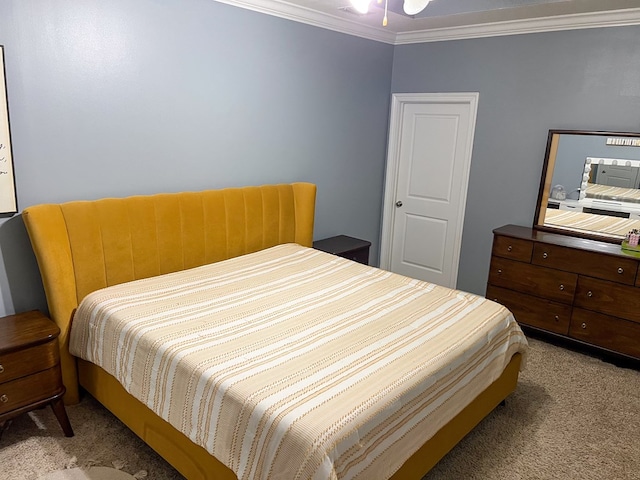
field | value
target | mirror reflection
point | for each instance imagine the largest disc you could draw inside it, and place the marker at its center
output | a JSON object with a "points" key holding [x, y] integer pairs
{"points": [[591, 184]]}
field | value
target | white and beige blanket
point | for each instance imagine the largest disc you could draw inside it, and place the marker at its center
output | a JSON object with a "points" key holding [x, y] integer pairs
{"points": [[606, 192], [590, 222], [293, 363]]}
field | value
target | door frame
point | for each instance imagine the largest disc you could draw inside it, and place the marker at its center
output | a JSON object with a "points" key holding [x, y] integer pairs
{"points": [[398, 102]]}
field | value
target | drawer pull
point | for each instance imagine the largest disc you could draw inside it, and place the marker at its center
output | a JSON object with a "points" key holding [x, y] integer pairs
{"points": [[620, 270], [4, 398], [561, 287], [545, 255], [589, 293], [1, 368], [584, 326], [509, 248]]}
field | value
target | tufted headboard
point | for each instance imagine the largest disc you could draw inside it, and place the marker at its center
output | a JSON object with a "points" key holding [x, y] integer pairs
{"points": [[87, 245]]}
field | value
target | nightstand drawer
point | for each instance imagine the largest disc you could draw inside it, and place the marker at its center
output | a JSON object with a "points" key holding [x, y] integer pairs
{"points": [[30, 375], [28, 390], [25, 362], [360, 256], [345, 247]]}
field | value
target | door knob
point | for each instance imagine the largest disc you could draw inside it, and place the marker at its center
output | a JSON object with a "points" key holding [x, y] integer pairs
{"points": [[399, 203]]}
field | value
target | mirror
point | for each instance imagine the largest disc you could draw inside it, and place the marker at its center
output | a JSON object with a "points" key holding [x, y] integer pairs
{"points": [[590, 184]]}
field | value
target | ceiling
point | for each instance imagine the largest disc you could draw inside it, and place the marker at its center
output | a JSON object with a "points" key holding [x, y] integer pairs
{"points": [[451, 19]]}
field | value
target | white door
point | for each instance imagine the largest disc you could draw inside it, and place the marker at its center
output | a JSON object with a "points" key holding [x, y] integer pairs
{"points": [[618, 176], [430, 143]]}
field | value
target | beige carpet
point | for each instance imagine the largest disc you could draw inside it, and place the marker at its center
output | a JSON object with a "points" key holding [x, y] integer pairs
{"points": [[91, 473], [572, 417]]}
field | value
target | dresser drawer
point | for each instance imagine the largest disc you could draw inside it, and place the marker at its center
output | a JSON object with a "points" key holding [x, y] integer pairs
{"points": [[608, 297], [533, 311], [534, 280], [25, 362], [606, 331], [513, 248], [593, 264], [27, 390]]}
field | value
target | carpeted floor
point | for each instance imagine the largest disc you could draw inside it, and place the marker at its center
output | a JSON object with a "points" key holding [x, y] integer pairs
{"points": [[571, 417]]}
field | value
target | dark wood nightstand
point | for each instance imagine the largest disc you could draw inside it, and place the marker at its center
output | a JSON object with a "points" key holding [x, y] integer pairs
{"points": [[30, 374], [346, 247]]}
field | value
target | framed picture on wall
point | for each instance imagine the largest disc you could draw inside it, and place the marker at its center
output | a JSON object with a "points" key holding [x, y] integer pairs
{"points": [[8, 200]]}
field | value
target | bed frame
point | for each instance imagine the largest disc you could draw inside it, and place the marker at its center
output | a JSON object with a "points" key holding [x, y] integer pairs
{"points": [[84, 246]]}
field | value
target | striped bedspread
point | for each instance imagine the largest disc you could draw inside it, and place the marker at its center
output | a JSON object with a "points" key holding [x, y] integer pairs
{"points": [[590, 222], [606, 192], [292, 363]]}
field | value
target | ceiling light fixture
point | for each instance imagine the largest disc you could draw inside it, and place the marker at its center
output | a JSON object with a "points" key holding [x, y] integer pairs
{"points": [[413, 7], [410, 7], [361, 6]]}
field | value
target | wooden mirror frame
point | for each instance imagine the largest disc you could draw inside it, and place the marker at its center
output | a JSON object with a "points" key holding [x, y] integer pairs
{"points": [[544, 191]]}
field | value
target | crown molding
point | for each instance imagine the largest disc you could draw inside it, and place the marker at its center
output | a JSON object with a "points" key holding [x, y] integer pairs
{"points": [[297, 13], [301, 14], [616, 18]]}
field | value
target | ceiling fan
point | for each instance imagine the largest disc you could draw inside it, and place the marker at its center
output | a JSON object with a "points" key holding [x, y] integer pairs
{"points": [[410, 7]]}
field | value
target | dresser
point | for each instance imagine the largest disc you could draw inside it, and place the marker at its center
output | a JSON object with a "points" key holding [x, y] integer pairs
{"points": [[583, 291], [30, 375]]}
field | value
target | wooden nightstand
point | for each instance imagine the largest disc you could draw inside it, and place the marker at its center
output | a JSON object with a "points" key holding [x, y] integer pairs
{"points": [[347, 247], [30, 374]]}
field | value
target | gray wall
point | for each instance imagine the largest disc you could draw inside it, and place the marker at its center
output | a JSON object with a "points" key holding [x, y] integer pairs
{"points": [[112, 98], [528, 84]]}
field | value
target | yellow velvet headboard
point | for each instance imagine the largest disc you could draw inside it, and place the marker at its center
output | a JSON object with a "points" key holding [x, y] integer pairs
{"points": [[87, 245]]}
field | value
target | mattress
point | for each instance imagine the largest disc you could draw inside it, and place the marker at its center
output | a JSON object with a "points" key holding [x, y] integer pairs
{"points": [[294, 363]]}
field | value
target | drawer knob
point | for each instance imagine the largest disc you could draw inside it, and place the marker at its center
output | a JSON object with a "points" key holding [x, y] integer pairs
{"points": [[499, 271], [561, 287], [4, 398], [620, 270], [584, 326], [1, 368], [545, 255], [557, 318], [509, 248], [589, 293]]}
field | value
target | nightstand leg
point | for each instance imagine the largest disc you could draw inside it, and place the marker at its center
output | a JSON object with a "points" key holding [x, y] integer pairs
{"points": [[61, 414]]}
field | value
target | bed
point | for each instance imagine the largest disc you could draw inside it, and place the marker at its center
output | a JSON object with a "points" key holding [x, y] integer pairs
{"points": [[617, 194], [91, 253], [590, 222]]}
